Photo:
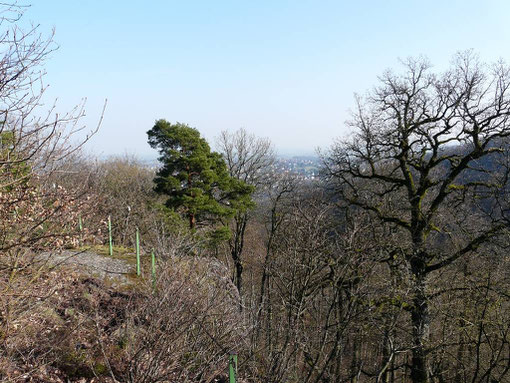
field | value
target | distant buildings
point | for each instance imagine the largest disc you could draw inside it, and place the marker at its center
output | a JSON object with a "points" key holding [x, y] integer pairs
{"points": [[302, 167], [305, 168]]}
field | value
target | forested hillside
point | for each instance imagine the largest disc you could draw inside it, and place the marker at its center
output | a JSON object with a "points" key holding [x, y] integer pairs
{"points": [[391, 265]]}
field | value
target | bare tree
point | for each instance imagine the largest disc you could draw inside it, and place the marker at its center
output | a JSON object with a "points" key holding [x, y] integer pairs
{"points": [[248, 159], [27, 132], [312, 298], [280, 196], [421, 149], [182, 331], [35, 211], [34, 142]]}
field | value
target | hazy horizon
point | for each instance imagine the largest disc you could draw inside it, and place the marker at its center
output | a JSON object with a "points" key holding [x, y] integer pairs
{"points": [[282, 70]]}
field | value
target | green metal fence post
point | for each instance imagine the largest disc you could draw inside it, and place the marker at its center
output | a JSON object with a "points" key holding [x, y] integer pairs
{"points": [[110, 235], [232, 368], [153, 264], [80, 227], [138, 270]]}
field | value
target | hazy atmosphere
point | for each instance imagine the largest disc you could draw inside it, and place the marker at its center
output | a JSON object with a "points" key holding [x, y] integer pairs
{"points": [[286, 70], [255, 192]]}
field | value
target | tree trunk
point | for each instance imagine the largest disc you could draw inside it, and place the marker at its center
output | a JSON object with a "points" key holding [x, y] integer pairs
{"points": [[420, 320], [236, 251], [191, 215], [192, 221], [238, 264]]}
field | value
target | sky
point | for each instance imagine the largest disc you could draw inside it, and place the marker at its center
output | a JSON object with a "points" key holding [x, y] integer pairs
{"points": [[285, 70]]}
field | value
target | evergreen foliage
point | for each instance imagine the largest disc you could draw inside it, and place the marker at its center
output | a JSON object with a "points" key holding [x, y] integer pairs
{"points": [[194, 178]]}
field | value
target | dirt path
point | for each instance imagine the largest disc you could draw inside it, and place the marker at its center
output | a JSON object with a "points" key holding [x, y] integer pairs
{"points": [[98, 265]]}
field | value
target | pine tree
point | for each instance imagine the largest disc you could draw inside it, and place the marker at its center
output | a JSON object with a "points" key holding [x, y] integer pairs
{"points": [[194, 178]]}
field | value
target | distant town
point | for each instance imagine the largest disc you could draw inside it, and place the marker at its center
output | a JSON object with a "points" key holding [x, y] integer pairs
{"points": [[303, 167]]}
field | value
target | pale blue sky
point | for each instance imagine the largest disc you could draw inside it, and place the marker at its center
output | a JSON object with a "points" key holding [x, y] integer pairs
{"points": [[286, 70]]}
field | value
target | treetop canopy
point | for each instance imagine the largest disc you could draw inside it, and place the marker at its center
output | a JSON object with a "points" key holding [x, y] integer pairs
{"points": [[195, 179]]}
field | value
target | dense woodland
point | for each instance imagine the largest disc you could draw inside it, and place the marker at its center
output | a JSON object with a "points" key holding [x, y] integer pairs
{"points": [[391, 267]]}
